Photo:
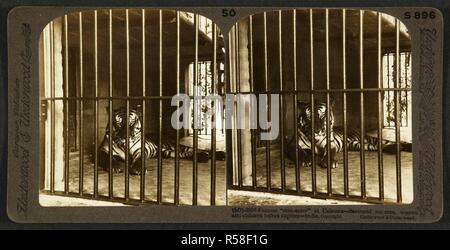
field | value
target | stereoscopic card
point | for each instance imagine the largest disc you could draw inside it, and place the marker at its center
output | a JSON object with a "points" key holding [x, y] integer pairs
{"points": [[230, 114]]}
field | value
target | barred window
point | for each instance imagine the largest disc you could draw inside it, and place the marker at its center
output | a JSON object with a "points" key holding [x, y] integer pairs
{"points": [[389, 79]]}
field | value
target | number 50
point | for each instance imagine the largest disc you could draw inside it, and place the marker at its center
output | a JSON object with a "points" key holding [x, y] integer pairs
{"points": [[228, 12]]}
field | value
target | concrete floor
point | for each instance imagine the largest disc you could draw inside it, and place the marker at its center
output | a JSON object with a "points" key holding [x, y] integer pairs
{"points": [[204, 182], [354, 177], [239, 198], [250, 198], [47, 200]]}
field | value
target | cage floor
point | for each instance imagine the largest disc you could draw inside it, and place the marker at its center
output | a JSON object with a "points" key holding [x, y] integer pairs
{"points": [[354, 176], [204, 177], [185, 188]]}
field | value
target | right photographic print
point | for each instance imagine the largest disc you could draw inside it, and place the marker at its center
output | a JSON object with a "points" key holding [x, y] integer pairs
{"points": [[335, 86]]}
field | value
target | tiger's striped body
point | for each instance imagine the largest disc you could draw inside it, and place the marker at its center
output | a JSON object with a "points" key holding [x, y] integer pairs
{"points": [[320, 141], [135, 153]]}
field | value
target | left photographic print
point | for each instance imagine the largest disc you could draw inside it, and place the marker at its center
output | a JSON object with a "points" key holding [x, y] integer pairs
{"points": [[107, 78]]}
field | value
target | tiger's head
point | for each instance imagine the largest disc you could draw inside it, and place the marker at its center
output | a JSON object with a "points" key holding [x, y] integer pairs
{"points": [[319, 114], [119, 122]]}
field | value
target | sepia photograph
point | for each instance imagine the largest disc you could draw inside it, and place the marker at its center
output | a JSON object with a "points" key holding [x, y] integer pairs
{"points": [[289, 107], [107, 77], [342, 79]]}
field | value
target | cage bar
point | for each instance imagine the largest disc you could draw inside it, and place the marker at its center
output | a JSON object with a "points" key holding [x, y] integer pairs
{"points": [[294, 45], [195, 136], [80, 108], [177, 146], [127, 127], [253, 131], [400, 81], [313, 157], [280, 59], [361, 94], [110, 108], [238, 90], [213, 119], [96, 106], [52, 108], [407, 57], [66, 102], [160, 163], [266, 83], [344, 100], [327, 66], [380, 111], [388, 67], [230, 176], [397, 113], [143, 118]]}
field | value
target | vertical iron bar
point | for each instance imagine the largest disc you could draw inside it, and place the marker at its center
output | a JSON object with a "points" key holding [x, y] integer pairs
{"points": [[127, 128], [52, 108], [344, 100], [266, 83], [96, 106], [313, 153], [81, 102], [361, 74], [238, 89], [231, 173], [110, 111], [327, 66], [397, 113], [388, 72], [406, 85], [253, 131], [380, 113], [66, 113], [400, 83], [280, 60], [143, 150], [177, 144], [160, 163], [407, 57], [297, 167], [213, 119], [195, 138]]}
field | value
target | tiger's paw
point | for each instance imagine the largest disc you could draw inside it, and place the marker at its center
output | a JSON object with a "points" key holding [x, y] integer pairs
{"points": [[202, 157], [136, 171], [306, 164], [136, 167], [324, 164], [117, 166], [334, 164], [220, 156], [117, 170]]}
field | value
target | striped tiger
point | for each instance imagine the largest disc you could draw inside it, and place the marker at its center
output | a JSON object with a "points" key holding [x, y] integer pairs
{"points": [[135, 152], [304, 128]]}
